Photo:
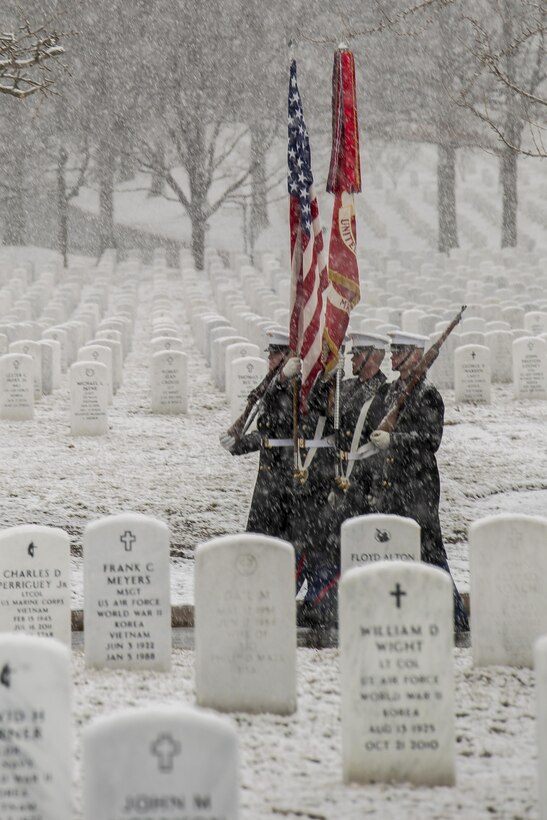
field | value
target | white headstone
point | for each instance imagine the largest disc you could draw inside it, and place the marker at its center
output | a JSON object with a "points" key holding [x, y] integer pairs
{"points": [[245, 374], [396, 648], [536, 322], [441, 373], [530, 368], [540, 666], [500, 343], [239, 350], [474, 324], [160, 343], [213, 335], [126, 593], [514, 315], [36, 747], [110, 335], [35, 581], [56, 369], [61, 336], [218, 356], [471, 337], [508, 588], [245, 624], [116, 350], [16, 387], [472, 374], [367, 539], [31, 348], [161, 762], [88, 399], [99, 354], [411, 319], [46, 358], [169, 370]]}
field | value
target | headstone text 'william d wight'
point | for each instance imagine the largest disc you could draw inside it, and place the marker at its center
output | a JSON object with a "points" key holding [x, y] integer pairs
{"points": [[127, 608], [396, 648]]}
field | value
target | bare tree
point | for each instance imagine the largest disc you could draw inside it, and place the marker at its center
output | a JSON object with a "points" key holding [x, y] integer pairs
{"points": [[196, 135], [508, 92], [25, 55]]}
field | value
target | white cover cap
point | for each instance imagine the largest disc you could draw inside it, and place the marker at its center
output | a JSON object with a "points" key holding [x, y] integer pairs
{"points": [[400, 338], [362, 340], [277, 337]]}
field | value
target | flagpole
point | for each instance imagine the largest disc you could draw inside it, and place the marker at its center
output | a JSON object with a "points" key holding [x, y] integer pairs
{"points": [[295, 424]]}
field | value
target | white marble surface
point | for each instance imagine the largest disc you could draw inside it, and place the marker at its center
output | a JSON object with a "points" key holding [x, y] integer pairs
{"points": [[245, 624], [127, 609], [396, 665]]}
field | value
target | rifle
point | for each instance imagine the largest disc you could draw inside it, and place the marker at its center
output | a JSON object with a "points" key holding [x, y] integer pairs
{"points": [[390, 419], [238, 427]]}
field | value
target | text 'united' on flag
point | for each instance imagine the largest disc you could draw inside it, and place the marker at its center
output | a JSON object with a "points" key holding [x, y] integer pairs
{"points": [[309, 275]]}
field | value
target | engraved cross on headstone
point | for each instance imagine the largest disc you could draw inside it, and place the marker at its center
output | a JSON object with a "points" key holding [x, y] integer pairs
{"points": [[165, 748], [5, 676], [473, 355], [398, 593], [128, 539]]}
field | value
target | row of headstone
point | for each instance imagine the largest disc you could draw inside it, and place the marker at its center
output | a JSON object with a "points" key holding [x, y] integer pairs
{"points": [[474, 366], [126, 595], [32, 367], [126, 585], [396, 682], [169, 362], [97, 374], [237, 364], [511, 351], [395, 628], [138, 762], [397, 692], [508, 596], [491, 326]]}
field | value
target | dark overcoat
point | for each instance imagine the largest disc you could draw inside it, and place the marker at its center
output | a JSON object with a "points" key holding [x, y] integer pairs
{"points": [[405, 476], [354, 395], [273, 497]]}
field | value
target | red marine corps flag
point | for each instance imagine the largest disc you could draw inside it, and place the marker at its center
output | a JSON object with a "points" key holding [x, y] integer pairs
{"points": [[308, 262], [344, 180]]}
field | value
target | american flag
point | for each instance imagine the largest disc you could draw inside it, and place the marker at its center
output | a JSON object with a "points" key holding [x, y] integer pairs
{"points": [[308, 262]]}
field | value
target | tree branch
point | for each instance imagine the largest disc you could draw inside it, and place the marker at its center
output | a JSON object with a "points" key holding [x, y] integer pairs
{"points": [[24, 52]]}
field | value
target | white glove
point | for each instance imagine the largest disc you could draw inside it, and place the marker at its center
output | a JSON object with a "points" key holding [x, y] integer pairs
{"points": [[227, 441], [380, 439], [292, 368]]}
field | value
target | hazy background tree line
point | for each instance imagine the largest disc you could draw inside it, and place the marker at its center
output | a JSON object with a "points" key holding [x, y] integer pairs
{"points": [[194, 94]]}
